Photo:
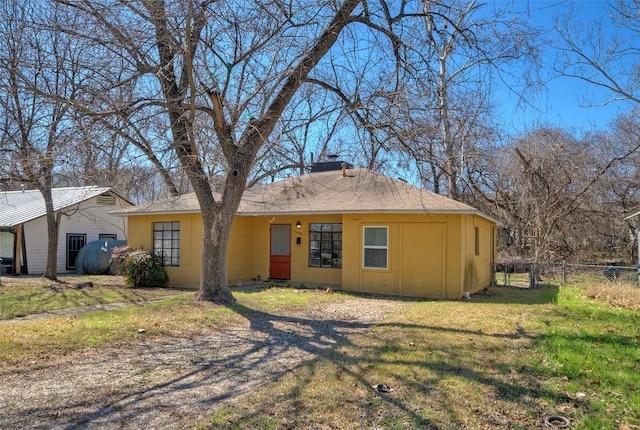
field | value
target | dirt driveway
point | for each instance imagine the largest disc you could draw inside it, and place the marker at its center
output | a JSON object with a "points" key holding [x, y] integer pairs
{"points": [[169, 383]]}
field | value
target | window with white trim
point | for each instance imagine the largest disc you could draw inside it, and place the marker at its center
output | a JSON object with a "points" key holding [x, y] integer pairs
{"points": [[375, 247], [166, 242]]}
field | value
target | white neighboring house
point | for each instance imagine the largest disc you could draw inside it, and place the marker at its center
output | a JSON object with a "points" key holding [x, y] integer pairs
{"points": [[83, 214]]}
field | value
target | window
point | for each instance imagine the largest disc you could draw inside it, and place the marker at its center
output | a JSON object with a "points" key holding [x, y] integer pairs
{"points": [[166, 242], [477, 240], [325, 245], [108, 236], [7, 241], [74, 243], [375, 247]]}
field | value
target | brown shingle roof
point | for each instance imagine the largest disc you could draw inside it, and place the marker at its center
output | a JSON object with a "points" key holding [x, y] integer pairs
{"points": [[184, 203], [360, 191]]}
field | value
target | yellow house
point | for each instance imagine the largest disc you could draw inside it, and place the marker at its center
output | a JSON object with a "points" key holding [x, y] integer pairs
{"points": [[356, 229]]}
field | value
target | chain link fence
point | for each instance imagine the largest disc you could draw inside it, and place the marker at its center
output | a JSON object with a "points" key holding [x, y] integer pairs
{"points": [[513, 274], [525, 274]]}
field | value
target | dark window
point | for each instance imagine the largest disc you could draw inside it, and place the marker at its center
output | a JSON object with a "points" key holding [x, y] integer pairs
{"points": [[166, 242], [74, 243], [108, 236], [325, 245], [477, 240]]}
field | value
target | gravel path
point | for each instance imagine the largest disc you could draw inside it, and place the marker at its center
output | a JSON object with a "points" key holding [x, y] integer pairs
{"points": [[169, 383]]}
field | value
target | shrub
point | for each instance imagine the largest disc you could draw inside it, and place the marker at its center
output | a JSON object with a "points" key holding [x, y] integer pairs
{"points": [[118, 256], [142, 269]]}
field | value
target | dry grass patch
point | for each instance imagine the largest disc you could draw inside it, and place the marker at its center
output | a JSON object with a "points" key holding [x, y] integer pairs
{"points": [[54, 338], [617, 294], [508, 358], [179, 316], [282, 299], [438, 365], [12, 283]]}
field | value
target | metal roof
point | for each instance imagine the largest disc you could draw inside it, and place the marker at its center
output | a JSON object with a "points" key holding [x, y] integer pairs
{"points": [[18, 207]]}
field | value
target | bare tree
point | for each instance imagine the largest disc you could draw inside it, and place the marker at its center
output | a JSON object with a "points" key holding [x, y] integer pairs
{"points": [[304, 134], [104, 158], [36, 131], [543, 182], [603, 53], [559, 195], [127, 152], [621, 185], [468, 49], [234, 65]]}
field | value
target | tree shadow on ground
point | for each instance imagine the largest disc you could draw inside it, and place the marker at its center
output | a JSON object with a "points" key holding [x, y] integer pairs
{"points": [[332, 341], [172, 382]]}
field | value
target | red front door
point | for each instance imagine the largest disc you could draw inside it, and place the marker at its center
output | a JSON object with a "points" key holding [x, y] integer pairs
{"points": [[280, 261]]}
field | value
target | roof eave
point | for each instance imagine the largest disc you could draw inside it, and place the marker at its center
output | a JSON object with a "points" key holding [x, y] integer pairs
{"points": [[84, 199], [141, 213], [375, 211], [316, 212]]}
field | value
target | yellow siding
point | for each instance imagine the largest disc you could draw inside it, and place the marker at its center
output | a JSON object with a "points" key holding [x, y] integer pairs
{"points": [[239, 257], [300, 270], [477, 273], [428, 255], [455, 257], [140, 235], [422, 265], [240, 251]]}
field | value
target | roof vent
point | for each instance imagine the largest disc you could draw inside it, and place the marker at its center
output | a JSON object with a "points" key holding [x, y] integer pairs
{"points": [[106, 200]]}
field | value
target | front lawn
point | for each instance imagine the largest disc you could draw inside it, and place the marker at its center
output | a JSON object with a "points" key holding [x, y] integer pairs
{"points": [[28, 295], [507, 358]]}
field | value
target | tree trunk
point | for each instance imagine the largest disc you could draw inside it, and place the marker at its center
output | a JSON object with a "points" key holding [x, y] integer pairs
{"points": [[51, 271], [217, 219], [214, 285], [217, 216]]}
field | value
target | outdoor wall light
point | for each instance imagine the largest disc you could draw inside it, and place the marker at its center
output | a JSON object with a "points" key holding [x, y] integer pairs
{"points": [[298, 225]]}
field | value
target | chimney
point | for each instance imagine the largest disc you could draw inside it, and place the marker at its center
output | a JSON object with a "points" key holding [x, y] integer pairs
{"points": [[344, 169], [22, 188]]}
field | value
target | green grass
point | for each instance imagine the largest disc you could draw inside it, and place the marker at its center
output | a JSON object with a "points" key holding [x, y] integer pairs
{"points": [[55, 337], [27, 296], [507, 358], [592, 352], [181, 315], [281, 299]]}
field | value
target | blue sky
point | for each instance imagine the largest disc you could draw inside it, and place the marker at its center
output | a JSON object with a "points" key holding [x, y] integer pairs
{"points": [[563, 102]]}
